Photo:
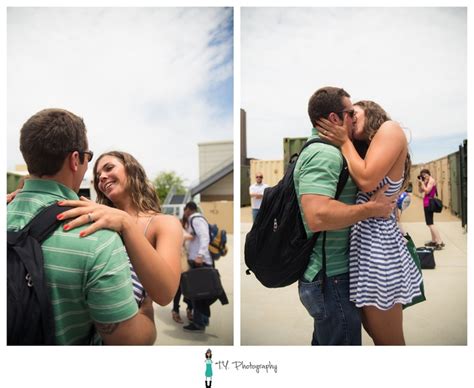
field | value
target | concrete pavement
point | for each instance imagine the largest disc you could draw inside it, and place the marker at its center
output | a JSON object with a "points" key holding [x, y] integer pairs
{"points": [[277, 317]]}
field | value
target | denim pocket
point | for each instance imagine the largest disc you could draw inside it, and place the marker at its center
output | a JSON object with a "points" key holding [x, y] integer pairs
{"points": [[312, 298]]}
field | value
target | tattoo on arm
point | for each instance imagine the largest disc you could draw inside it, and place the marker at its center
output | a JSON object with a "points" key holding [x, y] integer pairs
{"points": [[106, 328]]}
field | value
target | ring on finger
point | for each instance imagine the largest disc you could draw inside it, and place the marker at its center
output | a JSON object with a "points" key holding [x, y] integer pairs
{"points": [[91, 220]]}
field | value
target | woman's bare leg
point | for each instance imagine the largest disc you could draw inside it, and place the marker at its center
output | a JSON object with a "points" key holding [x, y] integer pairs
{"points": [[384, 326], [435, 236]]}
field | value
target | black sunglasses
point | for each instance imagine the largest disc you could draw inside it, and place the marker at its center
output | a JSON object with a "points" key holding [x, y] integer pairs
{"points": [[350, 112], [90, 154]]}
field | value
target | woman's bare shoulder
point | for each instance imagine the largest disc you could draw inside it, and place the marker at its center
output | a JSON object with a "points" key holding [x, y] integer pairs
{"points": [[391, 129], [166, 222]]}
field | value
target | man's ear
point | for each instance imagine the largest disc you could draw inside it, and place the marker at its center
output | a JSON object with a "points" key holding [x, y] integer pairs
{"points": [[73, 161], [334, 118]]}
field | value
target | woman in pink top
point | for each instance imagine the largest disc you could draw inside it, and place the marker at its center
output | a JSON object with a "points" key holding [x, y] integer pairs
{"points": [[427, 185]]}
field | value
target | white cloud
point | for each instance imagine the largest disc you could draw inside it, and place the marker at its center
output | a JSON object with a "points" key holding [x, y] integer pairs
{"points": [[413, 61], [139, 77]]}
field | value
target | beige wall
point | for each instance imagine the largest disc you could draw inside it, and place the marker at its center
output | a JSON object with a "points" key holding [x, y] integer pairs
{"points": [[272, 171], [220, 213], [213, 155], [224, 186]]}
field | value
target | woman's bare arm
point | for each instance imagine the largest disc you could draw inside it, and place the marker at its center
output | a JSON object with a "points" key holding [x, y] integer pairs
{"points": [[384, 150]]}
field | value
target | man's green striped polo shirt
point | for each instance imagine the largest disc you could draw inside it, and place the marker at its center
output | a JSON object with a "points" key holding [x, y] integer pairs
{"points": [[317, 172], [88, 278]]}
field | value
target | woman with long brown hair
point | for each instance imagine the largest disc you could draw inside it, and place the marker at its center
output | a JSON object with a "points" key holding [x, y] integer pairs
{"points": [[127, 203], [383, 276]]}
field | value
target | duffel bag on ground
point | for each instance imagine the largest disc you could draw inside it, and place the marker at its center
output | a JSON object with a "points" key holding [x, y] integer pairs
{"points": [[426, 256]]}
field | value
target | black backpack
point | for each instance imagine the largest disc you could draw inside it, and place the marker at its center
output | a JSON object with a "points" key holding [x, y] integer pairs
{"points": [[30, 319], [277, 249]]}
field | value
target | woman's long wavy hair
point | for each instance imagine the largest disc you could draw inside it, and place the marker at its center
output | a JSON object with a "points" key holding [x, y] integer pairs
{"points": [[140, 189], [375, 116]]}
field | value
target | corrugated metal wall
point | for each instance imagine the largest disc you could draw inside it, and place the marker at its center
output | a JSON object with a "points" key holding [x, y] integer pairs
{"points": [[272, 171], [450, 174], [291, 146]]}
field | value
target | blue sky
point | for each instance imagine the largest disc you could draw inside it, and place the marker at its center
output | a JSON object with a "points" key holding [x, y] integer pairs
{"points": [[412, 61], [151, 81]]}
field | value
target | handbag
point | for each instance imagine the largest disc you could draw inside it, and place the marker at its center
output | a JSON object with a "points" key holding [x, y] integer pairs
{"points": [[414, 255], [426, 256], [435, 205], [201, 283]]}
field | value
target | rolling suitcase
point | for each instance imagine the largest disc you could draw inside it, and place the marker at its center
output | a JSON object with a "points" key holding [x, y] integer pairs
{"points": [[426, 256]]}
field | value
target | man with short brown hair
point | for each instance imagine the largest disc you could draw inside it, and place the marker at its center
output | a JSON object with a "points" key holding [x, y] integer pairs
{"points": [[336, 319], [88, 279]]}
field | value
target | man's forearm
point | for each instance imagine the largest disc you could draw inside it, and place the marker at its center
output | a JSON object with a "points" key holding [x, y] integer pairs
{"points": [[337, 215], [138, 330]]}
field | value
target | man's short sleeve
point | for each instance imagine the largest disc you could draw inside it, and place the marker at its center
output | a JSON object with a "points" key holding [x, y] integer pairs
{"points": [[319, 169], [109, 283]]}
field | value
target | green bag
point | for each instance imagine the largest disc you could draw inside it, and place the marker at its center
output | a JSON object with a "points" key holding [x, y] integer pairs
{"points": [[414, 255]]}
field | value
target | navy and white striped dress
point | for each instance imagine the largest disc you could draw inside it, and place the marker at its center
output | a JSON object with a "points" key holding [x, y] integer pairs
{"points": [[382, 272]]}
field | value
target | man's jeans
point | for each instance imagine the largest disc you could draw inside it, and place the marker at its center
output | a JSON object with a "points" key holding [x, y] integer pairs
{"points": [[336, 318], [254, 214], [199, 319]]}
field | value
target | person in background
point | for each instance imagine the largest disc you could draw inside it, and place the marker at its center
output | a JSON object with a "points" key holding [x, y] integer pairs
{"points": [[198, 256], [175, 315], [256, 194], [427, 186]]}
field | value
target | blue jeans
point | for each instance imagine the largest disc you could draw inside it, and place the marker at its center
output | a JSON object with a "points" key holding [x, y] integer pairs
{"points": [[200, 319], [336, 318], [254, 214]]}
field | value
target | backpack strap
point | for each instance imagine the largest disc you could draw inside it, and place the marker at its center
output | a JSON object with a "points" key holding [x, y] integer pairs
{"points": [[191, 222], [343, 177], [344, 174], [45, 223]]}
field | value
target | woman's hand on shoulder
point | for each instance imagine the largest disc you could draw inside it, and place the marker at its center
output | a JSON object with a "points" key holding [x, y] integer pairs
{"points": [[11, 196], [335, 134], [88, 212]]}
